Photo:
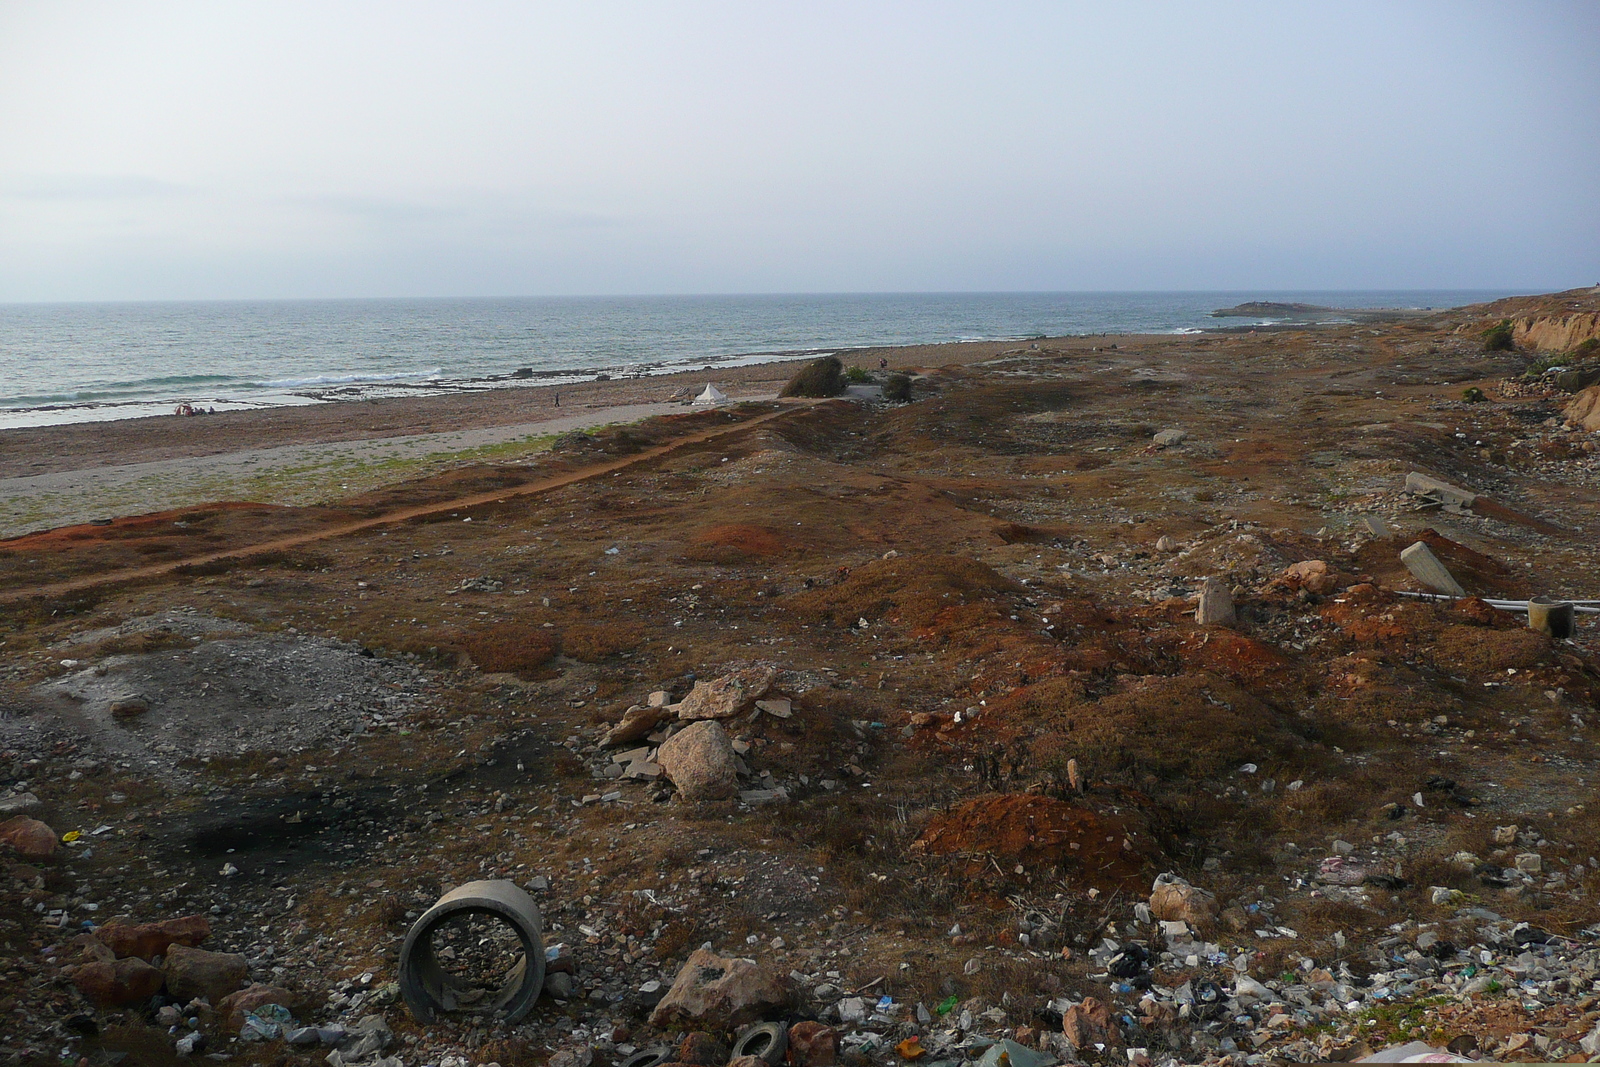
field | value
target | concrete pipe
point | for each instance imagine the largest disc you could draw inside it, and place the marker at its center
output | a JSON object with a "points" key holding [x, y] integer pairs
{"points": [[1553, 617], [429, 989]]}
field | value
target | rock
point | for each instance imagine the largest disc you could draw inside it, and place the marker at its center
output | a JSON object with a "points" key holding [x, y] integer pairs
{"points": [[235, 1006], [702, 1049], [748, 1061], [720, 994], [1170, 438], [636, 722], [812, 1044], [190, 1044], [121, 982], [1315, 576], [1216, 604], [1165, 543], [1426, 568], [576, 1056], [659, 699], [1531, 862], [194, 972], [558, 986], [1505, 835], [1174, 900], [1088, 1026], [700, 761], [19, 804], [148, 940], [725, 697], [29, 837], [128, 707]]}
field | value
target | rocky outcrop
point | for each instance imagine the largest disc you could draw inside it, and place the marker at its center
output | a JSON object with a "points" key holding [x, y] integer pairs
{"points": [[1584, 411], [114, 984], [1555, 333]]}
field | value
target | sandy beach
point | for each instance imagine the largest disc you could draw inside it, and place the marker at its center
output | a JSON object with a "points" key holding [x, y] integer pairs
{"points": [[53, 476]]}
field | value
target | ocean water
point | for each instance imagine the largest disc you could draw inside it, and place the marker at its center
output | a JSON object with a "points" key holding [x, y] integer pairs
{"points": [[81, 362]]}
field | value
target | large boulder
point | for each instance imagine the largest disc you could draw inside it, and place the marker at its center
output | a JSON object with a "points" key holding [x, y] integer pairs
{"points": [[725, 697], [1174, 900], [194, 972], [700, 761], [149, 940], [115, 983], [717, 993], [29, 837], [1584, 410]]}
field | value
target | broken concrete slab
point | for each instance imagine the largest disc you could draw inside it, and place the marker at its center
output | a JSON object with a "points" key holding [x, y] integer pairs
{"points": [[1419, 484], [1376, 526], [1426, 568], [1216, 604]]}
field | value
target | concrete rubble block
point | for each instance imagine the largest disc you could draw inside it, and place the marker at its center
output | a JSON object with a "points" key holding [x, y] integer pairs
{"points": [[725, 697], [1426, 568], [700, 761], [113, 984], [1376, 526], [1419, 484], [194, 972], [149, 940], [1088, 1026], [782, 707], [636, 724], [721, 993], [659, 699], [29, 836], [1216, 604], [812, 1044], [235, 1006], [1173, 899]]}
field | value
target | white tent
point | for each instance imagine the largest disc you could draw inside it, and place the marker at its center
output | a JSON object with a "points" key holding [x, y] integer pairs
{"points": [[712, 397]]}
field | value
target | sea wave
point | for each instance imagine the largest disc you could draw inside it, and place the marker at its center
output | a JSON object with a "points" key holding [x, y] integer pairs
{"points": [[346, 379]]}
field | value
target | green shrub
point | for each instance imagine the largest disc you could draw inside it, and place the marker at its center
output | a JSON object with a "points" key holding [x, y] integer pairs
{"points": [[897, 388], [1499, 337], [858, 375], [1473, 395], [1585, 349], [822, 377]]}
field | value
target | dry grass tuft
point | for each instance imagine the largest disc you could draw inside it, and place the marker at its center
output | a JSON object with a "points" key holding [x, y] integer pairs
{"points": [[591, 642], [514, 649]]}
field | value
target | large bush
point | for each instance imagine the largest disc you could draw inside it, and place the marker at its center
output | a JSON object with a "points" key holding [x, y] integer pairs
{"points": [[1499, 337], [897, 388], [822, 377]]}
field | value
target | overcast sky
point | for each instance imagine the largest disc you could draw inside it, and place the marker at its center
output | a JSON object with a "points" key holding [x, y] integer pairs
{"points": [[200, 150]]}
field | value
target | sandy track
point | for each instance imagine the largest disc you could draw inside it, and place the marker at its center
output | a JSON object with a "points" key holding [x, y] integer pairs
{"points": [[542, 485], [283, 474]]}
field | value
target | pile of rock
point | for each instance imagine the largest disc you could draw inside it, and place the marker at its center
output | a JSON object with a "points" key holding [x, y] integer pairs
{"points": [[686, 742]]}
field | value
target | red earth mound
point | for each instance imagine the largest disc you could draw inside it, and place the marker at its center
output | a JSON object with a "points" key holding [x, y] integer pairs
{"points": [[1040, 831]]}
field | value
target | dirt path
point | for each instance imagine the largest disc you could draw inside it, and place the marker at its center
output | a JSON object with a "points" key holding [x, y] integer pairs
{"points": [[390, 518], [301, 473]]}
